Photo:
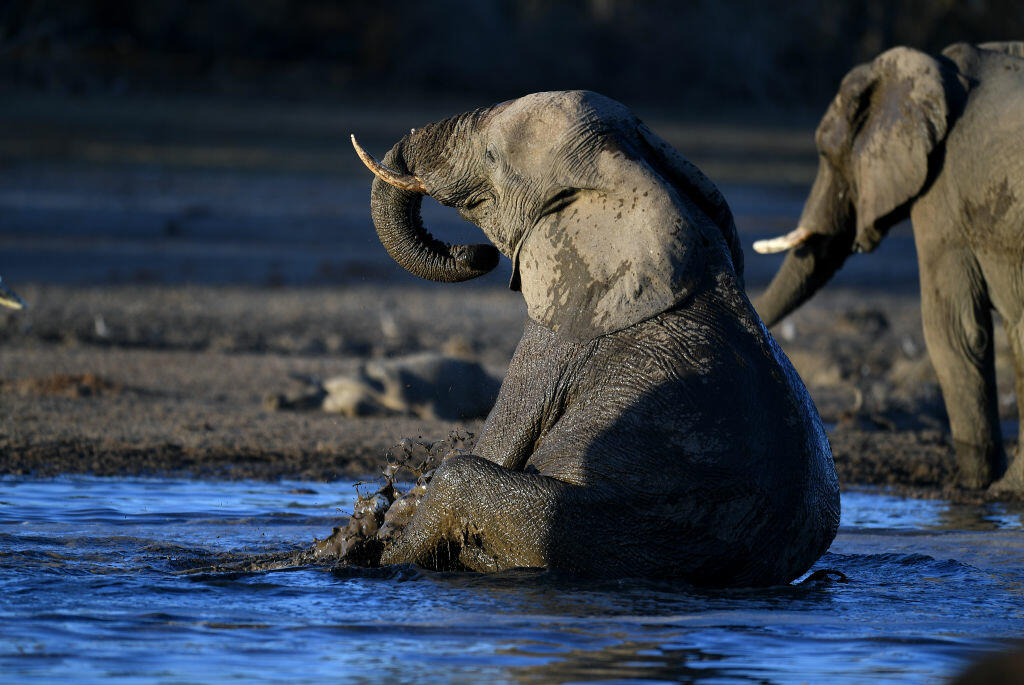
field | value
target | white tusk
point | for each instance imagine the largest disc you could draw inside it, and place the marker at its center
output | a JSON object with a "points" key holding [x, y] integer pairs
{"points": [[403, 181], [8, 298], [782, 242]]}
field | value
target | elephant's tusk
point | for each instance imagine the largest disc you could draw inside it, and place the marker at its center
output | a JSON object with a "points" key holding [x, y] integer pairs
{"points": [[782, 242], [404, 181], [8, 298]]}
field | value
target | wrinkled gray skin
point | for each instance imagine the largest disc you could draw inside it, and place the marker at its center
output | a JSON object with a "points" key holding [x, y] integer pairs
{"points": [[648, 424], [941, 141]]}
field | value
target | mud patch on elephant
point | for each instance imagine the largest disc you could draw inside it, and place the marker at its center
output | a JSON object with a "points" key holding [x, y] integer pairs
{"points": [[996, 203]]}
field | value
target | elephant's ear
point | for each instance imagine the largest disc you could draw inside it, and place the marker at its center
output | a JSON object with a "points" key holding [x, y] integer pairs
{"points": [[691, 181], [623, 247], [898, 119]]}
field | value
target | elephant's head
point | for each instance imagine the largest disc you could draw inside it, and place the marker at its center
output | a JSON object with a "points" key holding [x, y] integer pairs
{"points": [[605, 223], [879, 145]]}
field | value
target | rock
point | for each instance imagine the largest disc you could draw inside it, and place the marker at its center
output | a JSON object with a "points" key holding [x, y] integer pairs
{"points": [[428, 385]]}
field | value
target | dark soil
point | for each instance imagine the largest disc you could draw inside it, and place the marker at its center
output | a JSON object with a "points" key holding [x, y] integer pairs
{"points": [[72, 404]]}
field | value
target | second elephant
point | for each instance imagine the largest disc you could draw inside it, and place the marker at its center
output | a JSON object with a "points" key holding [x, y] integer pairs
{"points": [[939, 140]]}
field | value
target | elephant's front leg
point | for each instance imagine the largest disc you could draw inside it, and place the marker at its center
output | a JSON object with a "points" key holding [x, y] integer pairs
{"points": [[529, 402], [482, 511], [958, 331], [482, 516]]}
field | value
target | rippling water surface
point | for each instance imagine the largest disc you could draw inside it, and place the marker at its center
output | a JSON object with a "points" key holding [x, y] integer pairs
{"points": [[92, 589]]}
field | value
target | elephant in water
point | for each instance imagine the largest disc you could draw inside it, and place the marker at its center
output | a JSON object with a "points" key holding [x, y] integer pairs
{"points": [[941, 141], [648, 424]]}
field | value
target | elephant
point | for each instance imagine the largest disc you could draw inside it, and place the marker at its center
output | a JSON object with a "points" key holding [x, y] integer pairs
{"points": [[938, 140], [648, 424]]}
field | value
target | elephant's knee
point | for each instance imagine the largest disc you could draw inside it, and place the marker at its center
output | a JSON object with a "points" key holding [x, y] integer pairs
{"points": [[975, 338], [448, 476], [963, 327], [465, 472], [451, 482]]}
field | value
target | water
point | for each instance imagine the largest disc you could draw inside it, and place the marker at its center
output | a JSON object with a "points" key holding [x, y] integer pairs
{"points": [[91, 590]]}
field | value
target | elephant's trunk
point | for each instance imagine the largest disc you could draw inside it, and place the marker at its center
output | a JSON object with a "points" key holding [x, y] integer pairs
{"points": [[817, 248], [804, 271], [396, 215]]}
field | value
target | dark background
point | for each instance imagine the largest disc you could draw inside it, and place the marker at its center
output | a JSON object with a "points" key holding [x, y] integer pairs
{"points": [[716, 55], [169, 142]]}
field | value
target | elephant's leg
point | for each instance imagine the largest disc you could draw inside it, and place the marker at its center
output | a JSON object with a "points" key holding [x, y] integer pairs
{"points": [[525, 408], [479, 515], [958, 331], [1014, 478]]}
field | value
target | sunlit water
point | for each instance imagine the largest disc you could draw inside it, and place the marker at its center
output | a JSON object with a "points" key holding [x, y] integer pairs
{"points": [[91, 589]]}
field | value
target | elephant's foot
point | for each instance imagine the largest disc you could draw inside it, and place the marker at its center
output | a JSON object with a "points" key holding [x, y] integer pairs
{"points": [[1013, 480], [977, 466], [379, 520], [479, 516], [358, 543]]}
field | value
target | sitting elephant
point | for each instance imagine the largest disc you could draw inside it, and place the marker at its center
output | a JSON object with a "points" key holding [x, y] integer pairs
{"points": [[940, 140], [648, 424]]}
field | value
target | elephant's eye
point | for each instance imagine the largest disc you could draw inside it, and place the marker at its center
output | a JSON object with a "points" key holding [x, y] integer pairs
{"points": [[475, 202], [491, 155]]}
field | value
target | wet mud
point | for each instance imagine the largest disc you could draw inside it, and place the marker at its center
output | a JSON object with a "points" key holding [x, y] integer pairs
{"points": [[73, 385]]}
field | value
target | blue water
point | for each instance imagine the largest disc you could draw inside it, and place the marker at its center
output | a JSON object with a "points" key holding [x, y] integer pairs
{"points": [[92, 589]]}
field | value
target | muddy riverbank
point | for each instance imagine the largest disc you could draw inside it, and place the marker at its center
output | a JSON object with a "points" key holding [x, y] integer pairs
{"points": [[147, 379]]}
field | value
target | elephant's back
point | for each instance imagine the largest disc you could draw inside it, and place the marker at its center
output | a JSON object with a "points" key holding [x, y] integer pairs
{"points": [[982, 180], [703, 427], [984, 155]]}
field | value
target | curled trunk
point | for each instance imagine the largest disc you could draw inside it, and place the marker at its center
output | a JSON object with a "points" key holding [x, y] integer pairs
{"points": [[396, 215]]}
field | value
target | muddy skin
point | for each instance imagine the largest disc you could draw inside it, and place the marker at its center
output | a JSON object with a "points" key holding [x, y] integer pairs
{"points": [[382, 516], [645, 403]]}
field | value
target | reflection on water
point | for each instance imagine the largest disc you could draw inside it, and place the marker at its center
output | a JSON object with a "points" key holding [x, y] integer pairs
{"points": [[91, 589], [873, 509]]}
